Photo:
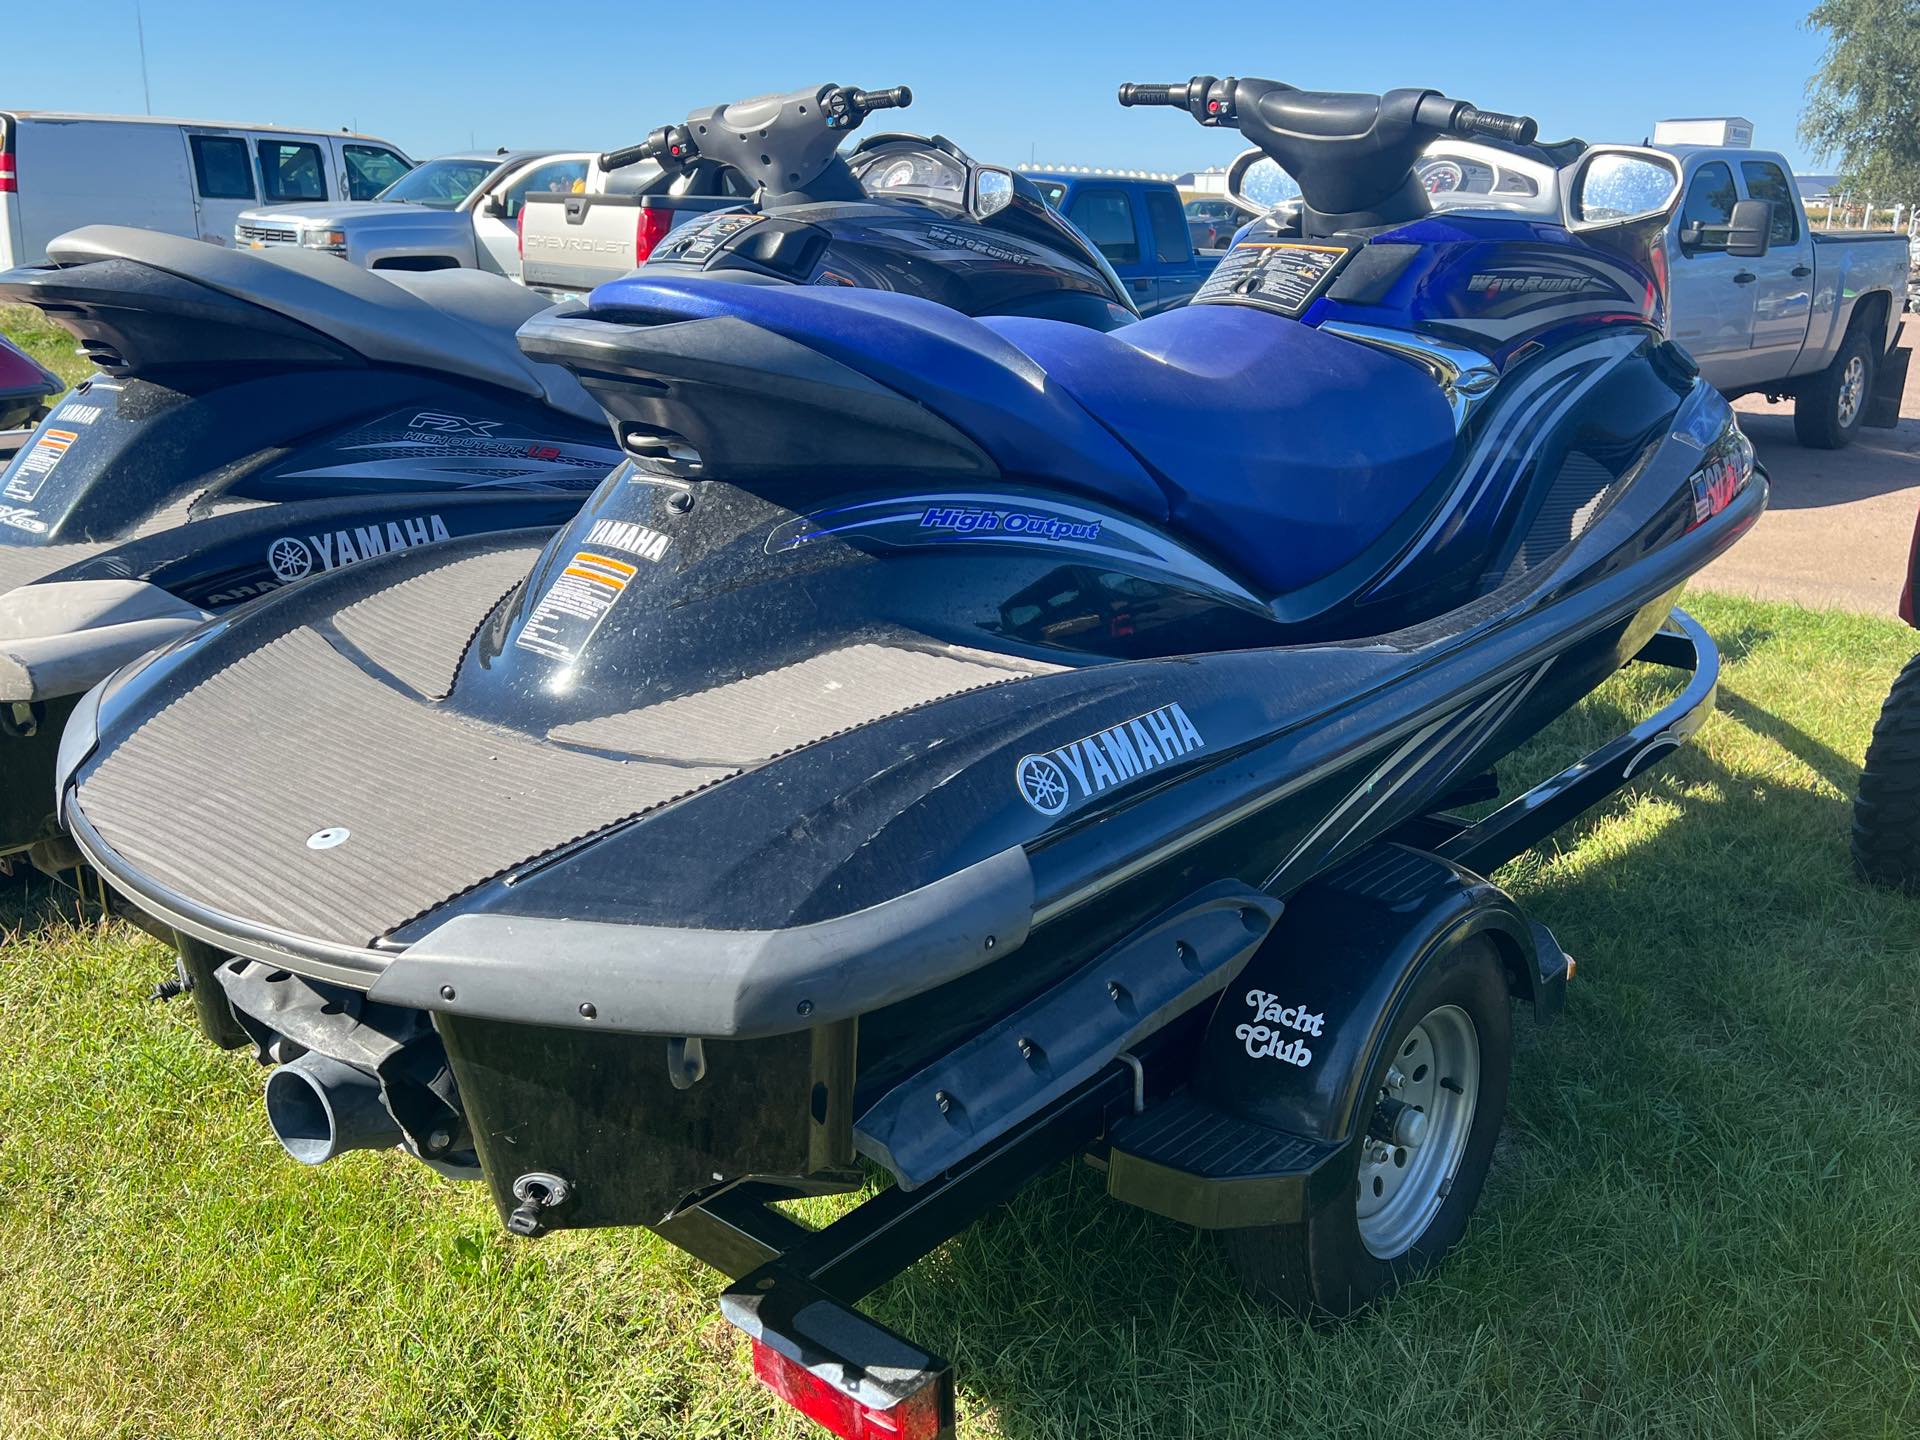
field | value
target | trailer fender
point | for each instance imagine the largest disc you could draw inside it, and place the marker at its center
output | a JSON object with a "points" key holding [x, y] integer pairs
{"points": [[1296, 1035]]}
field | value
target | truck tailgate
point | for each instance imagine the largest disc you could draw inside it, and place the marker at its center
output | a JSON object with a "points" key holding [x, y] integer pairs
{"points": [[571, 243]]}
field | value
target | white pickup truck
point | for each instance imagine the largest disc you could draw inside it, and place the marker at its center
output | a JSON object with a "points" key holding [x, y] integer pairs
{"points": [[570, 243], [1766, 304], [453, 211]]}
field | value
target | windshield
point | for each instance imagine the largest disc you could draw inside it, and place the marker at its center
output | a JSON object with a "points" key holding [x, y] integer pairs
{"points": [[438, 184]]}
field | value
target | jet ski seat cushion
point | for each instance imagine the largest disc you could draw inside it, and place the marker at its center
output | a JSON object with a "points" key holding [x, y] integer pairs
{"points": [[1288, 450], [459, 321], [1285, 450]]}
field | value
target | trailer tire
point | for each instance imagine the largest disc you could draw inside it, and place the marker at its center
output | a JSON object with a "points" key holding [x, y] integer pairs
{"points": [[1322, 1268], [1886, 812], [1829, 407]]}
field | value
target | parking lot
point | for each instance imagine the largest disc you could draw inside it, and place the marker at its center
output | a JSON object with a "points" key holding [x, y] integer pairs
{"points": [[1839, 524]]}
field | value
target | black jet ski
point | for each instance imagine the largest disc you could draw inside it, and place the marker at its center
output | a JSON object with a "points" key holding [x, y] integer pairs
{"points": [[260, 418], [25, 388], [954, 742], [256, 418]]}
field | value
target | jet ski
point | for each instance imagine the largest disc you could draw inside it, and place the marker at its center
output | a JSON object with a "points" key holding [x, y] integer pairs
{"points": [[956, 743], [25, 387], [256, 418], [261, 418]]}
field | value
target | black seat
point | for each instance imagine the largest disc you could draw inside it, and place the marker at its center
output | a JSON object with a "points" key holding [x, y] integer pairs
{"points": [[460, 322]]}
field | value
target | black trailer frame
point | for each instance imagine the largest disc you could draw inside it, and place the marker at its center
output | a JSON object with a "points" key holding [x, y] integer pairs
{"points": [[794, 1289]]}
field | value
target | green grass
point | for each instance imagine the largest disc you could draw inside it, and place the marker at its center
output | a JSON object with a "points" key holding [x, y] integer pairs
{"points": [[1702, 1221], [44, 341]]}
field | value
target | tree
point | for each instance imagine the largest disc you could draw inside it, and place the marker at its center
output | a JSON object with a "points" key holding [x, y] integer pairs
{"points": [[1863, 103]]}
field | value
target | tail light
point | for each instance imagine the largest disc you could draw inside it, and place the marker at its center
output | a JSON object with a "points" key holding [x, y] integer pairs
{"points": [[926, 1414], [649, 231], [9, 174], [520, 230]]}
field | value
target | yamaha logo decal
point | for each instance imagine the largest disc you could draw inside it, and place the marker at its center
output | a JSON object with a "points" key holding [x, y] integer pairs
{"points": [[1043, 785], [1052, 781], [290, 558]]}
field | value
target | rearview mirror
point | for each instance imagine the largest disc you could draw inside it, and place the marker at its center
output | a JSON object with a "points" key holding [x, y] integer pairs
{"points": [[1751, 229], [1745, 234], [1618, 185], [1256, 183], [992, 191]]}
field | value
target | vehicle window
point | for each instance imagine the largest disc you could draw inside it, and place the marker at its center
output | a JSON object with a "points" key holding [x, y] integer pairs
{"points": [[1106, 218], [1051, 191], [1710, 197], [438, 184], [291, 170], [221, 168], [556, 177], [1169, 221], [370, 169], [1766, 181]]}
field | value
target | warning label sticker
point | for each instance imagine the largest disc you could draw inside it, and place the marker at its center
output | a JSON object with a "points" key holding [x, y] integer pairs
{"points": [[1275, 275], [31, 470], [574, 605]]}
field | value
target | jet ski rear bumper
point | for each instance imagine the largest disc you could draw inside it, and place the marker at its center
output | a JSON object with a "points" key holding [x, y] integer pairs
{"points": [[61, 637]]}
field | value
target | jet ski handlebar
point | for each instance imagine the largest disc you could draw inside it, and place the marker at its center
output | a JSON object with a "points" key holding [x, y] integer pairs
{"points": [[1352, 155], [1212, 102], [781, 142]]}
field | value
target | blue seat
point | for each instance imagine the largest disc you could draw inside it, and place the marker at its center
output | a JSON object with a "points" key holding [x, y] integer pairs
{"points": [[1287, 450], [1283, 450]]}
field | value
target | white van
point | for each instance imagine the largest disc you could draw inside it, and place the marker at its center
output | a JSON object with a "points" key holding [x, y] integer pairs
{"points": [[187, 177]]}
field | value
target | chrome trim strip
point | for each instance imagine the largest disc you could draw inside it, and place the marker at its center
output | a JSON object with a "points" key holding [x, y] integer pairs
{"points": [[1465, 377]]}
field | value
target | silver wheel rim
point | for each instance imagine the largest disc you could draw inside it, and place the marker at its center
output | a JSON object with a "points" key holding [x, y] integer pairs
{"points": [[1853, 386], [1435, 1074]]}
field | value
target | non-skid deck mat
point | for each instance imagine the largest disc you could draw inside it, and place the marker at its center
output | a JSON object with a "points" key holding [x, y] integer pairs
{"points": [[417, 632], [755, 719], [216, 797]]}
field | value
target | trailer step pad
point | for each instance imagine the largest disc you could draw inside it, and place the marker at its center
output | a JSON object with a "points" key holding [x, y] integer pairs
{"points": [[1190, 1162], [970, 1096]]}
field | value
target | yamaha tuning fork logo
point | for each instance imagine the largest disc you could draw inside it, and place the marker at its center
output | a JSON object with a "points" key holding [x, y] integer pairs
{"points": [[1052, 780]]}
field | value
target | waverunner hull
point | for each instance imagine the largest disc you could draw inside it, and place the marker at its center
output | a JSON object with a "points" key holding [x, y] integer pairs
{"points": [[1274, 766]]}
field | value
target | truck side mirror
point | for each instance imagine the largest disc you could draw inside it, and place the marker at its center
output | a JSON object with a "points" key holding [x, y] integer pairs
{"points": [[1751, 225]]}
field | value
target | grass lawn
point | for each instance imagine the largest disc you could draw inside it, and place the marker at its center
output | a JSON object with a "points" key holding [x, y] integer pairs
{"points": [[45, 341], [1704, 1219]]}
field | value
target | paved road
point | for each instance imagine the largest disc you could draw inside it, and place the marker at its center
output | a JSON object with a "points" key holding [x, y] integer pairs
{"points": [[1837, 531]]}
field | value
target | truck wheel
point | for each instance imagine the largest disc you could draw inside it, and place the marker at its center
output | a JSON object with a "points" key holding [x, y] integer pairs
{"points": [[1407, 1183], [1831, 405], [1886, 814]]}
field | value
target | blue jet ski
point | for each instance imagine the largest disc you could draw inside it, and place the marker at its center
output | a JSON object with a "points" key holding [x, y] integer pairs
{"points": [[959, 742]]}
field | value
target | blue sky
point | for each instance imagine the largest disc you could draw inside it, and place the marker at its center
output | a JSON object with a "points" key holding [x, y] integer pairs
{"points": [[1008, 81]]}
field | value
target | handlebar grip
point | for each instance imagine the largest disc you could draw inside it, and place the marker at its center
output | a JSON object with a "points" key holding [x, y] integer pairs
{"points": [[632, 155], [1174, 95], [897, 98], [1516, 129]]}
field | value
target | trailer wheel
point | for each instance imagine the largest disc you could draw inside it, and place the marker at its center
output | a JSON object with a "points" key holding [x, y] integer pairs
{"points": [[1406, 1185], [1830, 406], [1886, 813]]}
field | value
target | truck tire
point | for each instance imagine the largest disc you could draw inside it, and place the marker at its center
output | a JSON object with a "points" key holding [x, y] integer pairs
{"points": [[1828, 410], [1395, 1208], [1886, 813]]}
